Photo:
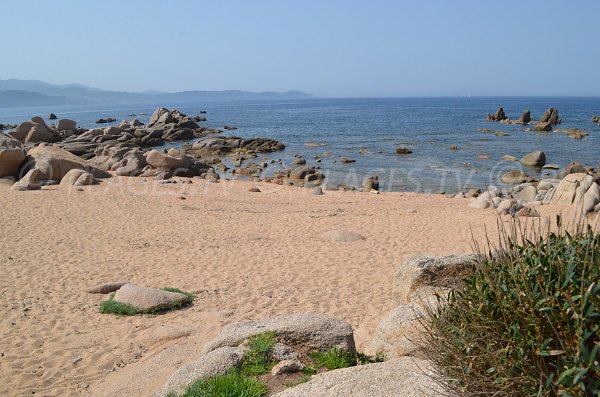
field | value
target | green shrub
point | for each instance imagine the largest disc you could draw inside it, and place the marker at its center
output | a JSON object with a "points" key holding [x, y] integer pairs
{"points": [[257, 358], [527, 322], [231, 384], [333, 359], [171, 289]]}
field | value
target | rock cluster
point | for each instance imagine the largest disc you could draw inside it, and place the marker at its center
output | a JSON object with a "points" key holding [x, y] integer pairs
{"points": [[499, 115], [297, 334]]}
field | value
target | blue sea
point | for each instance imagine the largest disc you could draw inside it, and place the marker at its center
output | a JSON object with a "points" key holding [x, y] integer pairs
{"points": [[370, 130]]}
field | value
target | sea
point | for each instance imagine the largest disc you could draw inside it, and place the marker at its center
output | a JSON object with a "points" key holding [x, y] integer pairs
{"points": [[450, 151]]}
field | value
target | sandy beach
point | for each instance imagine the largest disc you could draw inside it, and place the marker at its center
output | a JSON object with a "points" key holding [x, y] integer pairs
{"points": [[245, 255]]}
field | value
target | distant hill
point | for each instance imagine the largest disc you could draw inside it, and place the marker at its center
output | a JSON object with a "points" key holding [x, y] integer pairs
{"points": [[15, 92]]}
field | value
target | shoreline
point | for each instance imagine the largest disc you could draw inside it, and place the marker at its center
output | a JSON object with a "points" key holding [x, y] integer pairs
{"points": [[246, 256]]}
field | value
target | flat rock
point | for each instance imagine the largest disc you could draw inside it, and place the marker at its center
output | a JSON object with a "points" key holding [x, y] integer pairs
{"points": [[515, 177], [312, 331], [148, 299], [422, 276], [403, 377], [106, 287], [342, 235], [54, 163]]}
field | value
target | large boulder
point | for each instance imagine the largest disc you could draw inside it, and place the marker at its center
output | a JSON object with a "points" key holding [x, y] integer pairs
{"points": [[403, 377], [422, 276], [77, 177], [397, 333], [551, 116], [34, 131], [54, 163], [311, 331], [371, 183], [148, 299], [132, 164], [11, 155], [534, 159], [216, 362], [543, 126], [30, 181], [573, 167], [39, 134], [525, 117], [66, 125], [572, 190], [163, 161]]}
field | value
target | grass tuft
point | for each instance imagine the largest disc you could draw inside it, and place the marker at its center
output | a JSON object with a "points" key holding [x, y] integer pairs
{"points": [[333, 359], [527, 322], [257, 359], [118, 308], [188, 294], [231, 384]]}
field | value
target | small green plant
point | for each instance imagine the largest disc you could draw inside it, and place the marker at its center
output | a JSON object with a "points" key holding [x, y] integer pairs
{"points": [[527, 322], [257, 359], [171, 289], [231, 384], [333, 359], [363, 358]]}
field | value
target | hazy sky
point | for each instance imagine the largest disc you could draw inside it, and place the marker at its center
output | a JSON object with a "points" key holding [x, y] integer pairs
{"points": [[328, 48]]}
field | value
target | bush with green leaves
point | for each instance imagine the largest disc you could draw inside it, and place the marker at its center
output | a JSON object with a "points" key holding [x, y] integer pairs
{"points": [[527, 322]]}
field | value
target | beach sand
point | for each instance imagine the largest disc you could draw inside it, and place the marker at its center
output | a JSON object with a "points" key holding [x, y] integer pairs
{"points": [[245, 255]]}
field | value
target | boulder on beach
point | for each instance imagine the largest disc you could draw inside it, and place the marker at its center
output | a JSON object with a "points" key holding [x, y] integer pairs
{"points": [[66, 125], [216, 362], [54, 163], [574, 167], [148, 299], [163, 161], [30, 181], [300, 173], [421, 276], [105, 288], [11, 155], [534, 159], [311, 331], [396, 334], [77, 177]]}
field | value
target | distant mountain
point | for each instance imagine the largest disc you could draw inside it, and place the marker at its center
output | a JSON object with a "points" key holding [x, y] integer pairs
{"points": [[15, 92]]}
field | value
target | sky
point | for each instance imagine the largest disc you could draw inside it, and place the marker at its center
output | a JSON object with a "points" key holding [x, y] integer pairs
{"points": [[332, 48]]}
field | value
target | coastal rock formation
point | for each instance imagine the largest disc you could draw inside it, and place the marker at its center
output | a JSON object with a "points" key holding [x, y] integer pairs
{"points": [[312, 331], [543, 126], [11, 155], [498, 116], [30, 181], [225, 145], [525, 117], [304, 173], [406, 377], [52, 116], [421, 276], [573, 167], [596, 119], [575, 189], [551, 116], [106, 120], [66, 125], [534, 159], [54, 163], [77, 177], [148, 299]]}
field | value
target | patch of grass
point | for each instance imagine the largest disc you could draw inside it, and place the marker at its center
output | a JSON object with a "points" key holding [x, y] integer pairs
{"points": [[257, 359], [527, 322], [171, 289], [333, 359], [309, 370], [363, 358], [118, 308], [124, 309], [231, 384]]}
